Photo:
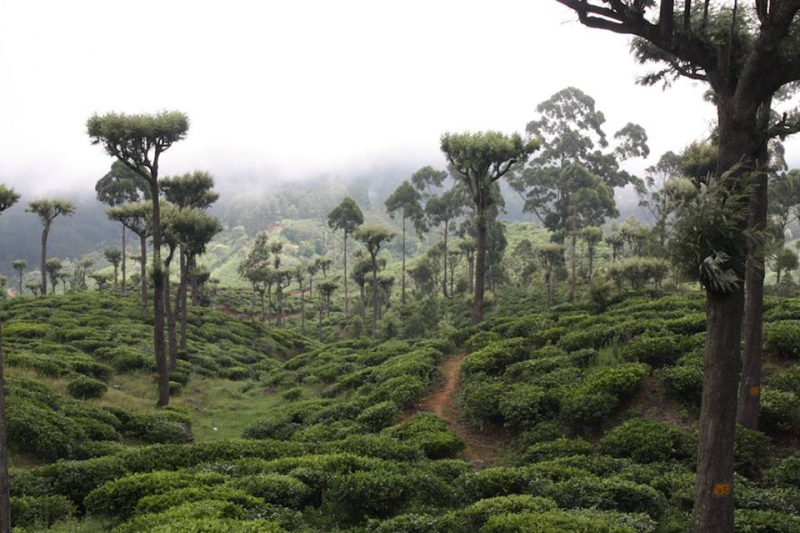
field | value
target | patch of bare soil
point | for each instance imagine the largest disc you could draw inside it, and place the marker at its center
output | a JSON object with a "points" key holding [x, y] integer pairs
{"points": [[483, 449]]}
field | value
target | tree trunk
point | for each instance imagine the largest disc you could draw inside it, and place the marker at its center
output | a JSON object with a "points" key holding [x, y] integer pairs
{"points": [[192, 266], [444, 277], [172, 336], [45, 231], [143, 270], [159, 283], [548, 282], [374, 297], [182, 306], [590, 252], [302, 311], [346, 306], [713, 502], [5, 486], [750, 388], [471, 272], [279, 304], [20, 281], [572, 260], [480, 268], [124, 259], [403, 266]]}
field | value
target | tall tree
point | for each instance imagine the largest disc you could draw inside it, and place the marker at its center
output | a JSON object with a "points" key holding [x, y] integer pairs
{"points": [[442, 211], [48, 210], [138, 141], [406, 200], [427, 179], [255, 268], [20, 265], [745, 61], [373, 238], [136, 217], [347, 216], [480, 159], [569, 184], [121, 185], [592, 236]]}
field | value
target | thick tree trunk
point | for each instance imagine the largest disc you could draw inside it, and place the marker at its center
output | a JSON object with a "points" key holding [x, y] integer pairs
{"points": [[143, 270], [124, 260], [159, 284], [713, 503], [480, 268], [45, 231], [374, 297], [5, 500], [279, 304], [193, 280], [750, 389], [302, 312]]}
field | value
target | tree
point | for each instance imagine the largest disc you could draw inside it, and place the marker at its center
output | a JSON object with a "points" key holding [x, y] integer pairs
{"points": [[8, 197], [442, 211], [138, 141], [373, 237], [569, 184], [784, 198], [427, 179], [114, 255], [550, 257], [347, 216], [19, 265], [53, 267], [480, 159], [48, 210], [102, 279], [785, 261], [300, 273], [255, 268], [121, 185], [406, 200], [746, 61], [136, 217], [592, 236]]}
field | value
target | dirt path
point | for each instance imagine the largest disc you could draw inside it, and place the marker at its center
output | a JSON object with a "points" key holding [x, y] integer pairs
{"points": [[481, 449]]}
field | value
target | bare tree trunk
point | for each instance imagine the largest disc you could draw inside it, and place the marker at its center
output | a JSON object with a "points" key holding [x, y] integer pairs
{"points": [[750, 388], [403, 267], [480, 268], [182, 298], [45, 231], [172, 337], [346, 303], [5, 487], [143, 270], [444, 277], [159, 285], [573, 260], [124, 259]]}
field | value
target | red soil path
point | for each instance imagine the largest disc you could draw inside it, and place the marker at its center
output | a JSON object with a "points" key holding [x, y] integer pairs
{"points": [[481, 449]]}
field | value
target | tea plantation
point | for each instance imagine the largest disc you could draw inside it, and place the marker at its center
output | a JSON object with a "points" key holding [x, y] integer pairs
{"points": [[595, 412]]}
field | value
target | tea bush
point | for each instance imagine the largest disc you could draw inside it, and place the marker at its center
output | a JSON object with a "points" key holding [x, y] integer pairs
{"points": [[782, 338], [647, 441], [39, 511], [85, 387]]}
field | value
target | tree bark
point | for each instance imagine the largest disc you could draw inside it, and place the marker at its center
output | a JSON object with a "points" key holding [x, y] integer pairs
{"points": [[480, 268], [143, 270], [182, 296], [172, 336], [750, 389], [45, 232], [403, 266], [124, 259], [374, 297], [5, 486], [573, 260], [346, 306], [444, 277], [159, 284], [713, 503]]}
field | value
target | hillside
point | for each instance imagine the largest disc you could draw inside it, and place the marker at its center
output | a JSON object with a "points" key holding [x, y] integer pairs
{"points": [[270, 431]]}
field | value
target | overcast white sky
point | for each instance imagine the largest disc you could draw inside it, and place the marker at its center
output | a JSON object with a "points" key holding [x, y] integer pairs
{"points": [[281, 89]]}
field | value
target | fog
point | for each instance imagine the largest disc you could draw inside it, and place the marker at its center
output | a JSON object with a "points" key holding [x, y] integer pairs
{"points": [[290, 90]]}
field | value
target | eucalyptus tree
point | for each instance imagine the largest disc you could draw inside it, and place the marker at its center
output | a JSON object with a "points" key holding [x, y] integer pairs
{"points": [[347, 217], [550, 257], [407, 200], [360, 273], [119, 186], [136, 217], [48, 210], [20, 265], [301, 274], [34, 287], [784, 201], [479, 160], [373, 238], [138, 141], [427, 179], [785, 261], [101, 279], [592, 236], [569, 184], [746, 60], [442, 211], [114, 256]]}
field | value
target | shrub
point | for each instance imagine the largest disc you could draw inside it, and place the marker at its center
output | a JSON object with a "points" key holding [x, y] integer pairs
{"points": [[407, 523], [129, 360], [785, 473], [93, 369], [782, 339], [292, 394], [500, 481], [378, 416], [552, 522], [27, 330], [379, 446], [406, 392], [85, 387], [36, 429], [480, 402], [752, 450], [237, 373], [118, 498], [39, 511], [375, 494], [753, 521], [647, 441], [474, 516], [561, 447], [276, 488], [166, 427], [493, 358], [520, 405], [683, 382], [656, 351], [609, 493], [601, 392], [778, 410]]}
